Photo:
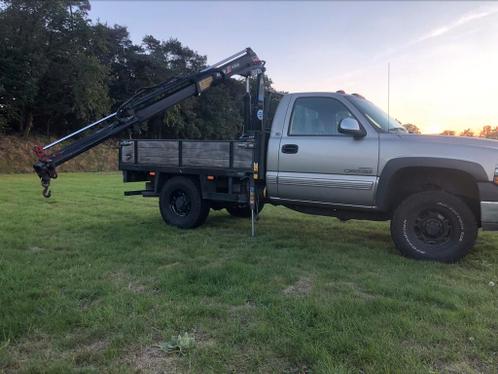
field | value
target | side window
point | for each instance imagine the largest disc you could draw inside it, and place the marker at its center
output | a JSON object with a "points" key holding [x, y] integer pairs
{"points": [[317, 116]]}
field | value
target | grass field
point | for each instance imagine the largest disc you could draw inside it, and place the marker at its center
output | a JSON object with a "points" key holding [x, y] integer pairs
{"points": [[93, 281]]}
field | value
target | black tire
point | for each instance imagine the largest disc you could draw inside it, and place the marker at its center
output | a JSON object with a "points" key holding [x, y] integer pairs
{"points": [[435, 226], [181, 203], [242, 211]]}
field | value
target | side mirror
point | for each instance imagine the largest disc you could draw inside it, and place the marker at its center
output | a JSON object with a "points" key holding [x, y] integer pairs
{"points": [[350, 126]]}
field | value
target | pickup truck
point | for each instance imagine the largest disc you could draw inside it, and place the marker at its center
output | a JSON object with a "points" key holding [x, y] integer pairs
{"points": [[332, 154], [337, 155]]}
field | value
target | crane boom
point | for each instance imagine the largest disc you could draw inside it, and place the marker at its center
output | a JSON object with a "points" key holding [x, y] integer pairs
{"points": [[146, 103]]}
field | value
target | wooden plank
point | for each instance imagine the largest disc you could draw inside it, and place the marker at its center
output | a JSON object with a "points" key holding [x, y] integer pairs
{"points": [[128, 153], [206, 153], [193, 153], [158, 152], [242, 157]]}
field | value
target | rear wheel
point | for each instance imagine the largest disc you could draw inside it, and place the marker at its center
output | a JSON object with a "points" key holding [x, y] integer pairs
{"points": [[435, 226], [181, 203]]}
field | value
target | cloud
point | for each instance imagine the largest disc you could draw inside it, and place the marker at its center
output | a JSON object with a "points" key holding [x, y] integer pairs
{"points": [[466, 18]]}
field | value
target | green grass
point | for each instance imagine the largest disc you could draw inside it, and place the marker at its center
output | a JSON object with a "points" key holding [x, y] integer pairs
{"points": [[93, 281]]}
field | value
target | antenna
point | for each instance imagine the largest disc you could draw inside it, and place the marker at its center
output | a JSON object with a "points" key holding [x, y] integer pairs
{"points": [[388, 92]]}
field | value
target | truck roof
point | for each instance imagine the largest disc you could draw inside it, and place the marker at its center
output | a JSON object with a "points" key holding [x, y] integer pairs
{"points": [[333, 93]]}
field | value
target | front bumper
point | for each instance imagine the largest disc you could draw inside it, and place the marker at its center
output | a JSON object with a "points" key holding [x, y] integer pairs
{"points": [[488, 193], [489, 215]]}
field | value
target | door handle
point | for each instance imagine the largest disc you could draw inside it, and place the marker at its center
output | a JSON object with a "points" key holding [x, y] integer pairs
{"points": [[290, 148]]}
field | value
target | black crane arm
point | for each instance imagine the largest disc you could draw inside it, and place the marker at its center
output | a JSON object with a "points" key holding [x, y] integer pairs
{"points": [[143, 105]]}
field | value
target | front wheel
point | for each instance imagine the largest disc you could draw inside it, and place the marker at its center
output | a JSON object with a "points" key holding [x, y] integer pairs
{"points": [[433, 225], [181, 203]]}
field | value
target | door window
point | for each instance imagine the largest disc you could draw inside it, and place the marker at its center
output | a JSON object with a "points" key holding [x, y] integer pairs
{"points": [[317, 116]]}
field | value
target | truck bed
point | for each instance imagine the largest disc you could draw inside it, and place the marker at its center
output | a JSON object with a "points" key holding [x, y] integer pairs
{"points": [[209, 154]]}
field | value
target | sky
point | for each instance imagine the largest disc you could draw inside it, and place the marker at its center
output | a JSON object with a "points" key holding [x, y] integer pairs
{"points": [[443, 56]]}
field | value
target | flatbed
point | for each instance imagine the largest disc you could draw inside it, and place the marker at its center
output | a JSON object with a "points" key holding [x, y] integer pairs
{"points": [[174, 153], [221, 165]]}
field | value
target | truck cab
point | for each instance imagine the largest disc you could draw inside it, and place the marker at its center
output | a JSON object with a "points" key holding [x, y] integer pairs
{"points": [[314, 158], [339, 155]]}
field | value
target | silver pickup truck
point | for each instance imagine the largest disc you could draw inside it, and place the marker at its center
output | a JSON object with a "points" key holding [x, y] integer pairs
{"points": [[338, 155], [323, 153]]}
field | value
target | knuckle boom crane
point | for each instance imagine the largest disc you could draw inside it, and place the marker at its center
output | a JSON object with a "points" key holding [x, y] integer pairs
{"points": [[191, 177], [146, 103]]}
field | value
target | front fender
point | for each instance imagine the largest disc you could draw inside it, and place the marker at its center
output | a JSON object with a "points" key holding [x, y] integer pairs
{"points": [[393, 166]]}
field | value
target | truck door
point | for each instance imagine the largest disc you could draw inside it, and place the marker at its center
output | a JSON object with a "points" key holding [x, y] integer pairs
{"points": [[318, 164]]}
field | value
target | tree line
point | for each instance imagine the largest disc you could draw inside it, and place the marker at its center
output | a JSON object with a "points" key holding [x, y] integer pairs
{"points": [[59, 70], [487, 131]]}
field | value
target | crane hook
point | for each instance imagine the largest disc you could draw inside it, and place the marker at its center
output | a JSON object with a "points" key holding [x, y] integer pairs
{"points": [[46, 191]]}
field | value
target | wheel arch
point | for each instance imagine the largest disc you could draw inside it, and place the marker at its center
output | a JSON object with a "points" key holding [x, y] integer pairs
{"points": [[163, 177], [471, 172]]}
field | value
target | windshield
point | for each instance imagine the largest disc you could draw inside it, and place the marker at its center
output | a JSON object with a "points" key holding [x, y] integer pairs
{"points": [[376, 116]]}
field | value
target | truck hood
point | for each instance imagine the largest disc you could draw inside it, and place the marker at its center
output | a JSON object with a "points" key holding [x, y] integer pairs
{"points": [[482, 152], [490, 144]]}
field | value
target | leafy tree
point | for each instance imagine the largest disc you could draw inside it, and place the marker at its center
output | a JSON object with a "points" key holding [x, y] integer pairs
{"points": [[489, 132], [170, 58], [58, 70], [412, 129], [467, 132], [47, 73], [125, 61], [448, 132], [22, 58], [4, 123]]}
